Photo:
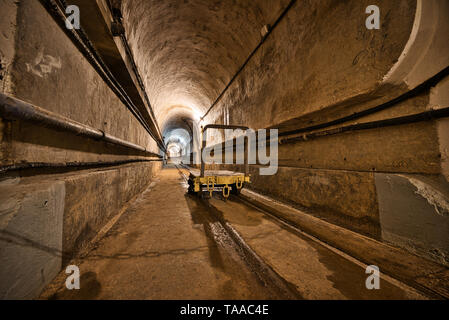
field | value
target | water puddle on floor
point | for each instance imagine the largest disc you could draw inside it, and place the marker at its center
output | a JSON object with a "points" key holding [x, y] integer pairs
{"points": [[224, 254]]}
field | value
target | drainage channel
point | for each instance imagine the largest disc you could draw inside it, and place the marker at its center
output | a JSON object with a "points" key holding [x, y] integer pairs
{"points": [[229, 240], [299, 265]]}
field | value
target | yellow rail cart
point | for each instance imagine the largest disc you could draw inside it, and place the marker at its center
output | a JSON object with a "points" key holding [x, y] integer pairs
{"points": [[229, 182]]}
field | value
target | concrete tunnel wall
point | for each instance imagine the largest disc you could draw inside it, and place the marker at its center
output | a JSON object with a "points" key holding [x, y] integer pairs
{"points": [[47, 218], [370, 181], [319, 64]]}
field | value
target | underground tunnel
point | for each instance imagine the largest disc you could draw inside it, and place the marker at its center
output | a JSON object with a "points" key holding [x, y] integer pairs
{"points": [[224, 150]]}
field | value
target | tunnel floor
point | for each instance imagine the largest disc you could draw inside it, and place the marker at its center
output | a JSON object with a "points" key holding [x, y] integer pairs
{"points": [[171, 245]]}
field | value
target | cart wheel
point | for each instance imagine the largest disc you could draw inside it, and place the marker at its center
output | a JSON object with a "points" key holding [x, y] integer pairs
{"points": [[234, 190], [191, 189]]}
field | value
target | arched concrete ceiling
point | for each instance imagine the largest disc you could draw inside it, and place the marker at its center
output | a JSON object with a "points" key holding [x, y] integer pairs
{"points": [[187, 51], [178, 116], [180, 137]]}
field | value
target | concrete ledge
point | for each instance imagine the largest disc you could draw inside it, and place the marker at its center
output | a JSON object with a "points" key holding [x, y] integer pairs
{"points": [[424, 275], [345, 198], [414, 214], [46, 219]]}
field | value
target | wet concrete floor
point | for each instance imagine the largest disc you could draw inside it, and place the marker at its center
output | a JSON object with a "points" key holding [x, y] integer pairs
{"points": [[170, 245]]}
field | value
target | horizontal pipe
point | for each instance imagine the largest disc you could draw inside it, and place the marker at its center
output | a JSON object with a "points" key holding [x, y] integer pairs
{"points": [[357, 115], [419, 117], [424, 116], [70, 165], [81, 41], [15, 109], [224, 127]]}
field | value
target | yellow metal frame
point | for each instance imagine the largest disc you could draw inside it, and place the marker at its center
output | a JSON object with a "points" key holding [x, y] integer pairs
{"points": [[226, 181], [222, 180]]}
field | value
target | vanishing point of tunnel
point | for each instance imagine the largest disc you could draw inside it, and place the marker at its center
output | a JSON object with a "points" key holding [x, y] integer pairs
{"points": [[224, 149]]}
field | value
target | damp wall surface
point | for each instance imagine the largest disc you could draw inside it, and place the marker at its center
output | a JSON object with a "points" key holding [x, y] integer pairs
{"points": [[321, 64], [49, 213]]}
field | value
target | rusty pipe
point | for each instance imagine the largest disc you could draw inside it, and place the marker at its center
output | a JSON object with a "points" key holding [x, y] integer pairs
{"points": [[15, 109]]}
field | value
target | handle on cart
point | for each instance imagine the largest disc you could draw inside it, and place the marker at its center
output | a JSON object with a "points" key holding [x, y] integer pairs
{"points": [[224, 127]]}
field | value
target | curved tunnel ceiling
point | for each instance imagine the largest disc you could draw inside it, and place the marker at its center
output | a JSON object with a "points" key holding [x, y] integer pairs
{"points": [[187, 51]]}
